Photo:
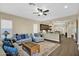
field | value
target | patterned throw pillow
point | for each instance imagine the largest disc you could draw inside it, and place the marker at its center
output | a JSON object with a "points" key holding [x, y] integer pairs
{"points": [[18, 37], [23, 36], [36, 35]]}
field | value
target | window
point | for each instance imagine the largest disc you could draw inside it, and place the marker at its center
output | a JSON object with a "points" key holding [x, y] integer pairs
{"points": [[35, 28], [6, 25]]}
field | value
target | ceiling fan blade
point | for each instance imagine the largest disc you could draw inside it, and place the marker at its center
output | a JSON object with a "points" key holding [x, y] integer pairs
{"points": [[45, 14], [38, 14], [46, 11], [35, 12], [40, 10]]}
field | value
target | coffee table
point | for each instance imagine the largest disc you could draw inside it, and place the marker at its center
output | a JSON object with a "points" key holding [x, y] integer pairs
{"points": [[32, 48]]}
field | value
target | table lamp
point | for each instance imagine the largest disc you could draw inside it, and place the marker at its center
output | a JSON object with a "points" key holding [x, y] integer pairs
{"points": [[6, 33]]}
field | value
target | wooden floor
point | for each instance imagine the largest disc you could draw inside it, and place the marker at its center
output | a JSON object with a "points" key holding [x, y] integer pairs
{"points": [[68, 47]]}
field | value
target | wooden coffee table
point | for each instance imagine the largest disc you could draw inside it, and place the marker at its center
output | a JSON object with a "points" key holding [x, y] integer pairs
{"points": [[31, 47]]}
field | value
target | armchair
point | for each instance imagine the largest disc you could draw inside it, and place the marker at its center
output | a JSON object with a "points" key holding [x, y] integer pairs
{"points": [[36, 37], [11, 51], [9, 48]]}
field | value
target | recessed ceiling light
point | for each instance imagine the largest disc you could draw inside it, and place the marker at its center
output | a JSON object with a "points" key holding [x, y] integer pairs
{"points": [[65, 6]]}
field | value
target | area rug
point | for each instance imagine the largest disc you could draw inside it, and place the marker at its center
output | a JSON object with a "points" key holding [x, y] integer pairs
{"points": [[46, 47]]}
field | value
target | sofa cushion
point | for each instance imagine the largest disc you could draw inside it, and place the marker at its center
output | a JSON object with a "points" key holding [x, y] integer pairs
{"points": [[18, 37], [36, 35], [27, 36], [23, 36]]}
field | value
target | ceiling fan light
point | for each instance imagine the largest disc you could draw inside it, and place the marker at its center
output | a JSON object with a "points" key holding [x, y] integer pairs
{"points": [[40, 13]]}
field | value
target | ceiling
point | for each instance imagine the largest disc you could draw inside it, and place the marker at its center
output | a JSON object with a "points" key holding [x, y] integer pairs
{"points": [[25, 10]]}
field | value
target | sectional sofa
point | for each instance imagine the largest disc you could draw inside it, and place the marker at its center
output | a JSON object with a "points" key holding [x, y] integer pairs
{"points": [[35, 37]]}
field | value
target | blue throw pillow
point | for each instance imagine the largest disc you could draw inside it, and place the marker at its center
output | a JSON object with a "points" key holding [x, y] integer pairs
{"points": [[23, 36], [18, 37]]}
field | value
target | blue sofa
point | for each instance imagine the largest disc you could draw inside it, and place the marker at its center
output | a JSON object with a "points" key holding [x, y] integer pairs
{"points": [[23, 38], [36, 37], [9, 48]]}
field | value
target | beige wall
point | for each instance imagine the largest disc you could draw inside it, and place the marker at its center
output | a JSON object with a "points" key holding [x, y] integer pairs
{"points": [[20, 25], [23, 25]]}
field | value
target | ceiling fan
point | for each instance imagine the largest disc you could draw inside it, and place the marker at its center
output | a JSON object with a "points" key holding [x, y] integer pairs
{"points": [[41, 12]]}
